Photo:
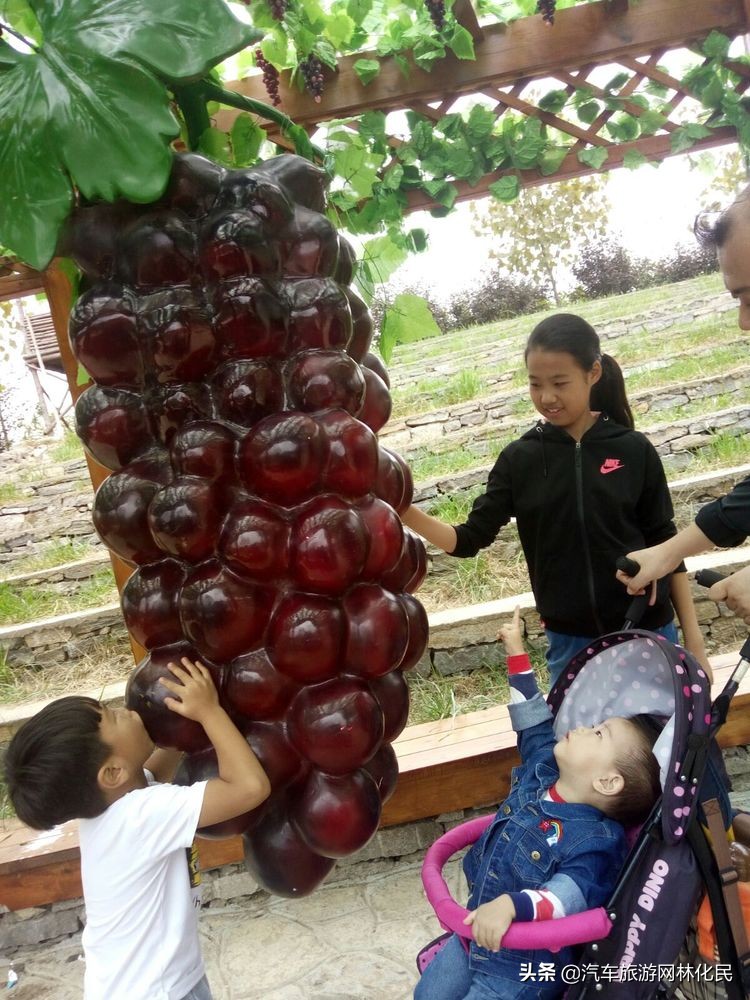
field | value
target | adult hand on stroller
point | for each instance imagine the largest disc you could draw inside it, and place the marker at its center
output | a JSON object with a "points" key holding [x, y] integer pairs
{"points": [[510, 634], [655, 563], [490, 921], [734, 590]]}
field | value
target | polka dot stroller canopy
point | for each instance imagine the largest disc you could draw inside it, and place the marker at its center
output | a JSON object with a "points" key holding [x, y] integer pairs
{"points": [[632, 672]]}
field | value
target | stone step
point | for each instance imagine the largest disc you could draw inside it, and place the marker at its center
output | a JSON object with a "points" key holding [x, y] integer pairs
{"points": [[55, 640], [496, 416], [62, 575]]}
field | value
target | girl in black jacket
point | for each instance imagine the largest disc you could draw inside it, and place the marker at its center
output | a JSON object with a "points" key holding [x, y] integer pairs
{"points": [[584, 487]]}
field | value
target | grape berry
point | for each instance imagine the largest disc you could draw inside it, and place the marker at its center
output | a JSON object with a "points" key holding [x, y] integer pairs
{"points": [[237, 407]]}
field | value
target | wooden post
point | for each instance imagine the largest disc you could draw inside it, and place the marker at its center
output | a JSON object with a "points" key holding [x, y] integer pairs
{"points": [[60, 297]]}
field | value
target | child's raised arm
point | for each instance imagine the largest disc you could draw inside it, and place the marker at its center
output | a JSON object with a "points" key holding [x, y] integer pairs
{"points": [[242, 783]]}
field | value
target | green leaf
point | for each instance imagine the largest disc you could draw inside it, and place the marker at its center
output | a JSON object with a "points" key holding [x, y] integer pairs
{"points": [[275, 48], [358, 10], [651, 121], [10, 57], [393, 176], [82, 376], [384, 257], [634, 159], [367, 69], [427, 51], [623, 127], [339, 29], [37, 195], [407, 320], [215, 144], [177, 39], [617, 82], [716, 46], [588, 112], [444, 194], [593, 156], [418, 239], [552, 159], [461, 43], [246, 136], [505, 189], [554, 101], [20, 16], [481, 121]]}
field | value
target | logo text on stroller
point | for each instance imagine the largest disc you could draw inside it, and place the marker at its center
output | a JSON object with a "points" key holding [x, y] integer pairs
{"points": [[649, 893]]}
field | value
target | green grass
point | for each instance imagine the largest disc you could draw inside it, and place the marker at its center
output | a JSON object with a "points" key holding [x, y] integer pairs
{"points": [[11, 493], [436, 697], [430, 393], [68, 448], [54, 553], [726, 449], [427, 463], [26, 604]]}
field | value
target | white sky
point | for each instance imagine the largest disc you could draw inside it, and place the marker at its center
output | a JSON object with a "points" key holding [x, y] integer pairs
{"points": [[653, 209]]}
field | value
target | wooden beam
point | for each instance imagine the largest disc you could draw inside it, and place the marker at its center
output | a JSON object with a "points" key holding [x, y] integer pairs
{"points": [[466, 16], [525, 47]]}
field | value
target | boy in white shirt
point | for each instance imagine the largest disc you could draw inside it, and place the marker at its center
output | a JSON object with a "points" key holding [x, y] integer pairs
{"points": [[79, 759]]}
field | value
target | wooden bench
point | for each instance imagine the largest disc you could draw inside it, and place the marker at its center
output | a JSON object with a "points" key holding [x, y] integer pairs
{"points": [[444, 766]]}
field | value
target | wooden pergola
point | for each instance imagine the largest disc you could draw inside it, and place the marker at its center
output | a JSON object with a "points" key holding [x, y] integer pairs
{"points": [[509, 60]]}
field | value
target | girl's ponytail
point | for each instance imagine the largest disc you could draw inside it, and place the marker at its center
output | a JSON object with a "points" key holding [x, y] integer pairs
{"points": [[609, 395], [571, 334]]}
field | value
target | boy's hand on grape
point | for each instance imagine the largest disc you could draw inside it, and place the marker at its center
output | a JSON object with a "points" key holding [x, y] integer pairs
{"points": [[194, 690], [510, 635], [490, 921]]}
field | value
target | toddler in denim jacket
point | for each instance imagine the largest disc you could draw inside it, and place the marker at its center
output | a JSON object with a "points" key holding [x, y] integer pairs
{"points": [[555, 846]]}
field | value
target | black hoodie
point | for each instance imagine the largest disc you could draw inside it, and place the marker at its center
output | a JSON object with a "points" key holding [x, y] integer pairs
{"points": [[578, 506]]}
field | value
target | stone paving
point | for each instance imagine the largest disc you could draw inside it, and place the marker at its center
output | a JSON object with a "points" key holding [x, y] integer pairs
{"points": [[355, 938]]}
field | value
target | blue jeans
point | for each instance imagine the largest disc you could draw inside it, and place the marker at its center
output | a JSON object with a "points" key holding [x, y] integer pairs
{"points": [[562, 648], [201, 991], [450, 977]]}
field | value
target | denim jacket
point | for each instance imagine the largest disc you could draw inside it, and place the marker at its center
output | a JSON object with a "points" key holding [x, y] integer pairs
{"points": [[572, 849]]}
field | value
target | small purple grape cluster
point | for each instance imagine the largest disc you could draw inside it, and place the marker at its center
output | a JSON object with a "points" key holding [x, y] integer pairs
{"points": [[311, 69], [547, 9], [270, 77], [436, 9], [278, 8]]}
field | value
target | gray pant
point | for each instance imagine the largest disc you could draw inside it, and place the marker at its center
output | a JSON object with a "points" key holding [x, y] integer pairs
{"points": [[201, 991]]}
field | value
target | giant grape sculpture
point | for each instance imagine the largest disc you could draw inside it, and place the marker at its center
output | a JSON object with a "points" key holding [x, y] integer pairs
{"points": [[237, 407]]}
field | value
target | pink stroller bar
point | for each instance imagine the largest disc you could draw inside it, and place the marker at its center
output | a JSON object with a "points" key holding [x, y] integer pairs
{"points": [[550, 935]]}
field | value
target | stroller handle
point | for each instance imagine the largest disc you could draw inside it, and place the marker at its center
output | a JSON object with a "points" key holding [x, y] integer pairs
{"points": [[550, 935], [708, 577]]}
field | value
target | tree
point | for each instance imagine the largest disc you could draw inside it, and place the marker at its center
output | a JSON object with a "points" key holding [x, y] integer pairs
{"points": [[539, 234], [728, 172]]}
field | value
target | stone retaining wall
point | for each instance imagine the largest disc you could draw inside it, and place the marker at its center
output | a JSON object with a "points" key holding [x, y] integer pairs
{"points": [[65, 578], [52, 641]]}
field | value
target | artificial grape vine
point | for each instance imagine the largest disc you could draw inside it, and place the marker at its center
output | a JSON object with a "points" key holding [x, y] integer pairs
{"points": [[311, 69], [270, 77], [547, 9]]}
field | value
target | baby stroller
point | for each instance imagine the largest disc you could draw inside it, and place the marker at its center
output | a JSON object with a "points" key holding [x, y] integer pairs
{"points": [[629, 949]]}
